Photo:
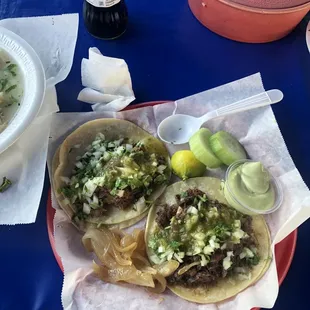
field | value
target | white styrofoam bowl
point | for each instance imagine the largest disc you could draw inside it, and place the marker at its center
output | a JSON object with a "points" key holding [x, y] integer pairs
{"points": [[34, 85]]}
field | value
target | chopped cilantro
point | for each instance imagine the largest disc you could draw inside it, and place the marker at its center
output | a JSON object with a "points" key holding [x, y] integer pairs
{"points": [[114, 191], [153, 242], [10, 88], [160, 179], [121, 184], [68, 191], [174, 245], [3, 83], [252, 261], [6, 183], [220, 230], [11, 67], [184, 194], [203, 198]]}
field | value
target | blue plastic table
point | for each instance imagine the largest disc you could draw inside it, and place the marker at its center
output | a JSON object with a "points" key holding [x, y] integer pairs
{"points": [[170, 56]]}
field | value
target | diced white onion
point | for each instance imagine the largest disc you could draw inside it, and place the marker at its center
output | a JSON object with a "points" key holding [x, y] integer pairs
{"points": [[181, 254], [106, 156], [128, 147], [155, 259], [79, 165], [161, 169], [227, 263], [118, 142], [120, 193], [203, 261], [161, 249], [208, 250], [246, 253], [197, 250], [93, 163], [101, 136], [97, 154], [65, 180], [237, 223], [169, 256], [192, 210], [227, 260], [102, 149], [223, 247], [86, 208], [95, 200], [96, 142], [230, 253], [199, 236], [178, 258], [242, 255], [89, 188], [238, 234]]}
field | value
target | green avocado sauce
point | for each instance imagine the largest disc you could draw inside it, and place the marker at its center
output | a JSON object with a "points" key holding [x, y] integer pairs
{"points": [[250, 184]]}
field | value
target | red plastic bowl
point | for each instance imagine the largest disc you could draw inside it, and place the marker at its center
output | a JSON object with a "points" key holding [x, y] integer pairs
{"points": [[247, 24]]}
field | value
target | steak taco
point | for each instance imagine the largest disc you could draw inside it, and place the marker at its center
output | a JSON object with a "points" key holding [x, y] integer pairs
{"points": [[220, 250], [108, 172]]}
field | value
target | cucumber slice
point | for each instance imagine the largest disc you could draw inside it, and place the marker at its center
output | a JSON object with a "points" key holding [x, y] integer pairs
{"points": [[226, 147], [199, 145]]}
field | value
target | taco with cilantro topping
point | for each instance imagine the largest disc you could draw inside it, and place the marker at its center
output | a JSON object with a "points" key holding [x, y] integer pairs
{"points": [[220, 250], [108, 172]]}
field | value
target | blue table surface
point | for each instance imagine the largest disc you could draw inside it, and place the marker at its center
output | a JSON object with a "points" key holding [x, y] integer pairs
{"points": [[170, 55]]}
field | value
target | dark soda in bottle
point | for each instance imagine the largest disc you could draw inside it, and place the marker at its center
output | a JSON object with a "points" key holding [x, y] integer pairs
{"points": [[105, 19]]}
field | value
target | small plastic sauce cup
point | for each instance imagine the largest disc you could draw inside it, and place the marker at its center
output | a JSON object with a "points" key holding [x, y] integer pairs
{"points": [[247, 209]]}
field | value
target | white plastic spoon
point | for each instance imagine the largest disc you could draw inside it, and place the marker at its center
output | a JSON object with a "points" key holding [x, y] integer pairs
{"points": [[178, 128]]}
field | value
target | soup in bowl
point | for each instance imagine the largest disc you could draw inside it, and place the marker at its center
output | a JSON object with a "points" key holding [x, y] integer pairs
{"points": [[11, 89], [22, 87]]}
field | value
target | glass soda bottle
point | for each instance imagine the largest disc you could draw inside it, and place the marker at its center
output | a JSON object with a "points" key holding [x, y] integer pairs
{"points": [[105, 19]]}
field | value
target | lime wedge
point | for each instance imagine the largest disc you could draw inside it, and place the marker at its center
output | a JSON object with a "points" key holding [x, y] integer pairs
{"points": [[200, 146], [226, 147], [185, 165]]}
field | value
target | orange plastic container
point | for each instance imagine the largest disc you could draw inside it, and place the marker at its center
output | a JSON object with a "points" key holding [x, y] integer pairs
{"points": [[271, 4], [246, 24]]}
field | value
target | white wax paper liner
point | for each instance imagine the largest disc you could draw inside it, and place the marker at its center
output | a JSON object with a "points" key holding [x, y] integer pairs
{"points": [[254, 129]]}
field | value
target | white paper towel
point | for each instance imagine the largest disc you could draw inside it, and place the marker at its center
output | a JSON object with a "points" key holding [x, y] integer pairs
{"points": [[254, 129], [107, 81], [54, 39]]}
